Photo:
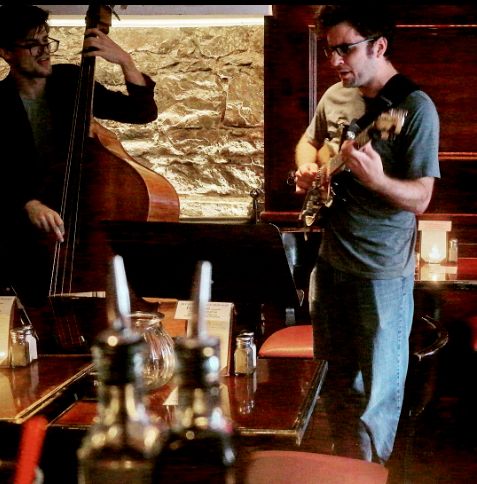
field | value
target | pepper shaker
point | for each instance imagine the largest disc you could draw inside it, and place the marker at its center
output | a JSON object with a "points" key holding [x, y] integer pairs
{"points": [[244, 356], [23, 348]]}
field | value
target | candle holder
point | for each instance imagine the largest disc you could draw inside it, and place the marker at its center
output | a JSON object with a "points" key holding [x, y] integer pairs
{"points": [[433, 247]]}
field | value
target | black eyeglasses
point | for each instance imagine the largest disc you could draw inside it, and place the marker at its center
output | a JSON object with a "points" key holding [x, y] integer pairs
{"points": [[37, 48], [343, 49]]}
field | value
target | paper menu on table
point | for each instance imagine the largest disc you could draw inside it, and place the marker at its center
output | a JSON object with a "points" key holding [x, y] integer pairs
{"points": [[219, 324], [7, 308]]}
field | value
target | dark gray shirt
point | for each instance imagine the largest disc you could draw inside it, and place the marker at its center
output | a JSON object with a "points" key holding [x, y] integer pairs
{"points": [[364, 233]]}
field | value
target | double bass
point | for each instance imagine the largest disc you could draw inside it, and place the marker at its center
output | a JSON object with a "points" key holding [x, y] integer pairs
{"points": [[102, 182]]}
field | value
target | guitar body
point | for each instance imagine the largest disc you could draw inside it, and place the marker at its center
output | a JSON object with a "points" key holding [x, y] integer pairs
{"points": [[325, 187]]}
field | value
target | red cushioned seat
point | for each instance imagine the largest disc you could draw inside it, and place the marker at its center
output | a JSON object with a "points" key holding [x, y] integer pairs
{"points": [[292, 467], [290, 342]]}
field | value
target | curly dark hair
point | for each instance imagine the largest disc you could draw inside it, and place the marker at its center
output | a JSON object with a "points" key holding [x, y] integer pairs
{"points": [[368, 20], [17, 20]]}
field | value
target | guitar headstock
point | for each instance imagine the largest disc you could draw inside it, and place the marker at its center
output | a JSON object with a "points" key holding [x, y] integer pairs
{"points": [[390, 123]]}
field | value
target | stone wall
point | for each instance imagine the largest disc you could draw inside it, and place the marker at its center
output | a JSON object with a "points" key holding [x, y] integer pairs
{"points": [[208, 138]]}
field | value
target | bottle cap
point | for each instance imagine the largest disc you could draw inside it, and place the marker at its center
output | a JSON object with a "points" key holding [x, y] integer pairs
{"points": [[119, 356], [197, 361]]}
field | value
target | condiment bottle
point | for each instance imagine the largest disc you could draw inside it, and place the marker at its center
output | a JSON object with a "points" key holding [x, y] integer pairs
{"points": [[124, 438], [199, 446]]}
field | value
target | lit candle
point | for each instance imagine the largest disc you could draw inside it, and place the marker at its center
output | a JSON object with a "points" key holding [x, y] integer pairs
{"points": [[435, 255]]}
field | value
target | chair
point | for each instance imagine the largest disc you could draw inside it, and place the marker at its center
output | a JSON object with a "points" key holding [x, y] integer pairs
{"points": [[290, 342], [290, 467]]}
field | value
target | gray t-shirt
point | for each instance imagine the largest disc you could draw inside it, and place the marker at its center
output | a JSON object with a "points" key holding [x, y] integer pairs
{"points": [[364, 234], [39, 115]]}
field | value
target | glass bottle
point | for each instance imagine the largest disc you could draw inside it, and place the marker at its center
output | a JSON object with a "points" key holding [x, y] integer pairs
{"points": [[159, 361], [124, 437], [200, 446]]}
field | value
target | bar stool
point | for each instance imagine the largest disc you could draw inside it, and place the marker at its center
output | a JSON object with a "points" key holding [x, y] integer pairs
{"points": [[290, 342], [428, 337], [290, 467]]}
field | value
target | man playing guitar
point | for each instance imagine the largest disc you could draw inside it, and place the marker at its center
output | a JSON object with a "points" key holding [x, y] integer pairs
{"points": [[361, 288]]}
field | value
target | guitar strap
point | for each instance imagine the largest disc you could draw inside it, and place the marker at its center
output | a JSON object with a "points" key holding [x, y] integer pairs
{"points": [[393, 93]]}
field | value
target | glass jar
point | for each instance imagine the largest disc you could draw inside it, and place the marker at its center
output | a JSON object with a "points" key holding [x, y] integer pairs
{"points": [[159, 361]]}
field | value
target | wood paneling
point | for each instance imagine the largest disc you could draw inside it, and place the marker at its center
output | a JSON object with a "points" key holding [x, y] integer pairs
{"points": [[436, 45]]}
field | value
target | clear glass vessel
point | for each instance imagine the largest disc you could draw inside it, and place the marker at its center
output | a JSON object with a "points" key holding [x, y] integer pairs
{"points": [[159, 360], [200, 446], [121, 444]]}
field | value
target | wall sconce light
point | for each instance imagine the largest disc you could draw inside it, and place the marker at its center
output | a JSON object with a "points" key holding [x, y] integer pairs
{"points": [[433, 248]]}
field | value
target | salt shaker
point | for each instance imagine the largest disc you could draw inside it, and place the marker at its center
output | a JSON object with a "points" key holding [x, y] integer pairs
{"points": [[23, 348], [244, 360], [251, 335], [453, 251]]}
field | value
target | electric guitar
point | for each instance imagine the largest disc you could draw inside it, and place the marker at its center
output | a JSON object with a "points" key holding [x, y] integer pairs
{"points": [[321, 193]]}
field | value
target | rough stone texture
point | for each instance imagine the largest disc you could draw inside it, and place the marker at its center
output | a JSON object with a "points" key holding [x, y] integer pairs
{"points": [[208, 138]]}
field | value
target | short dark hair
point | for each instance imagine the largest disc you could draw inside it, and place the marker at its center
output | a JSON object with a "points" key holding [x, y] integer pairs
{"points": [[369, 20], [16, 21]]}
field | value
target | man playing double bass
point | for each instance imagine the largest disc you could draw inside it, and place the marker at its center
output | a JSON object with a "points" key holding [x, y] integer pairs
{"points": [[37, 111]]}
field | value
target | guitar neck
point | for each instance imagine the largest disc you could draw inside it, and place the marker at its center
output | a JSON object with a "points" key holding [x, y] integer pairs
{"points": [[362, 138], [337, 162]]}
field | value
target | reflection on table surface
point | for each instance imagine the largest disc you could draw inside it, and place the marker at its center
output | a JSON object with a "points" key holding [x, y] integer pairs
{"points": [[26, 390], [463, 274], [277, 401]]}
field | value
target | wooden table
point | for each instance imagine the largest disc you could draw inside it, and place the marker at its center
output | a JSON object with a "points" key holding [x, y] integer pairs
{"points": [[277, 401], [443, 289], [462, 275], [275, 405], [28, 390]]}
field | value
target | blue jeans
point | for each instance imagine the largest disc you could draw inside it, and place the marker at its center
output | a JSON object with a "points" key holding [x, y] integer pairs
{"points": [[361, 326]]}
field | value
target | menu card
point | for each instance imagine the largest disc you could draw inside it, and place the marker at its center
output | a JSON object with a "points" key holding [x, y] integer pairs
{"points": [[219, 323], [7, 311]]}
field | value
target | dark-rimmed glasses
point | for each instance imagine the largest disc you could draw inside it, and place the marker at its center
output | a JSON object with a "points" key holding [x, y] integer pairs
{"points": [[37, 48], [343, 49]]}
